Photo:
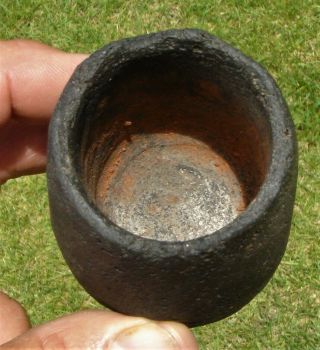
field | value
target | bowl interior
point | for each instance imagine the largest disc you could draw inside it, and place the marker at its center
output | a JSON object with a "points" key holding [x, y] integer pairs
{"points": [[175, 147]]}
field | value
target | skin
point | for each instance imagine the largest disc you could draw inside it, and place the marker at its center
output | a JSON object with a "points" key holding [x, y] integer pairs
{"points": [[32, 77]]}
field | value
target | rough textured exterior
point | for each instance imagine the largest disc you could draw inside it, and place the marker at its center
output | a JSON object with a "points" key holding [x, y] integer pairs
{"points": [[196, 281]]}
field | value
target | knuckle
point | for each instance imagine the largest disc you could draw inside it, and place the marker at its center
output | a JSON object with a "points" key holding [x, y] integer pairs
{"points": [[54, 341]]}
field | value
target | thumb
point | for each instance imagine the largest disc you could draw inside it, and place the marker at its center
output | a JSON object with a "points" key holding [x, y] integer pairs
{"points": [[105, 330]]}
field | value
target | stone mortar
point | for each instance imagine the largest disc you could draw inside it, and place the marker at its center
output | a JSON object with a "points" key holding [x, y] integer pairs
{"points": [[171, 174]]}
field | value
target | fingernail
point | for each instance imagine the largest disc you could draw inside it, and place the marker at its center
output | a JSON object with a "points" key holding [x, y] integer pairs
{"points": [[146, 336]]}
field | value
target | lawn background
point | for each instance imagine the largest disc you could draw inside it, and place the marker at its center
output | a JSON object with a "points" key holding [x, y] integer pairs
{"points": [[284, 36]]}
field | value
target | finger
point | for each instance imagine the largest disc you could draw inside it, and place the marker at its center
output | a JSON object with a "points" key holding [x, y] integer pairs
{"points": [[32, 77], [22, 149], [105, 330], [5, 99], [13, 319]]}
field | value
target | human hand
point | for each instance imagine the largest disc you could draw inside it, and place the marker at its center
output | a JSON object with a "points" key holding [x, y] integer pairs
{"points": [[32, 76], [89, 330]]}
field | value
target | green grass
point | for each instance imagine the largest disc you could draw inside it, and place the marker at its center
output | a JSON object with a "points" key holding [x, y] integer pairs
{"points": [[284, 37]]}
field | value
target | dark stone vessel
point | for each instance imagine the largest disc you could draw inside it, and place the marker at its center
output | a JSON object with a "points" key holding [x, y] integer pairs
{"points": [[172, 174]]}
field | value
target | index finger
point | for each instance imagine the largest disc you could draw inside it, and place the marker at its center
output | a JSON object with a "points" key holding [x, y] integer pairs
{"points": [[32, 77]]}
